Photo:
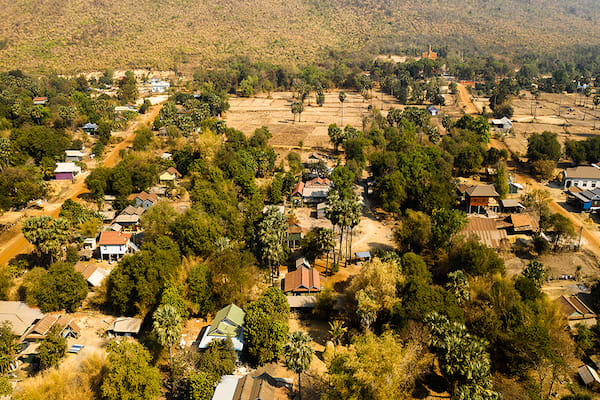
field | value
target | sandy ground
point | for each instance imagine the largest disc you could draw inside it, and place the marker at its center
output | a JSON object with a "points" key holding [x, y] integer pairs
{"points": [[13, 243]]}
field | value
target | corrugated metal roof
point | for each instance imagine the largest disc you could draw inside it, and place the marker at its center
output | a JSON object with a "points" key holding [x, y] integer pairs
{"points": [[487, 231]]}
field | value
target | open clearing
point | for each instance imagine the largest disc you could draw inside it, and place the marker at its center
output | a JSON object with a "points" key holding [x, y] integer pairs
{"points": [[247, 114]]}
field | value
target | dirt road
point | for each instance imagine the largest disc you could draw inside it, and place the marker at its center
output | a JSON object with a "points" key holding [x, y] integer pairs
{"points": [[464, 98], [13, 243], [591, 240]]}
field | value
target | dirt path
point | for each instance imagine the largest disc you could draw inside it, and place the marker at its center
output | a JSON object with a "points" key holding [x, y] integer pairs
{"points": [[591, 239], [464, 98], [13, 243]]}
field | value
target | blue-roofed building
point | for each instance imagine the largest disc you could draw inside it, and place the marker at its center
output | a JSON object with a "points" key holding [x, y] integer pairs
{"points": [[588, 200]]}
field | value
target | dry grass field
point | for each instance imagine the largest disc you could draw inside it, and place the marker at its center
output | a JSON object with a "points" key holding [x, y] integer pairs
{"points": [[569, 123], [86, 35], [247, 114]]}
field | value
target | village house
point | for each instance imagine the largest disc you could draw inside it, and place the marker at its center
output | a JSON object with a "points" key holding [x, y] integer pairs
{"points": [[114, 245], [302, 281], [252, 387], [584, 177], [66, 171], [143, 199], [90, 128], [577, 311], [589, 376], [20, 316], [228, 323], [433, 111], [131, 210], [511, 205], [74, 155], [108, 216], [125, 326], [587, 200], [486, 230], [171, 175], [93, 274], [68, 328], [294, 232], [502, 124], [481, 196], [40, 101], [128, 222], [316, 190]]}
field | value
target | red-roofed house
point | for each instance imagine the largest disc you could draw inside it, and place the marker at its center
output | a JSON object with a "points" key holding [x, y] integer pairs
{"points": [[40, 101], [302, 281], [115, 245]]}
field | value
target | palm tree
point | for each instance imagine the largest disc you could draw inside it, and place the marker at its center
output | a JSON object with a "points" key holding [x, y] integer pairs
{"points": [[587, 92], [326, 241], [337, 330], [342, 98], [271, 234], [167, 325], [300, 110], [596, 104], [298, 354]]}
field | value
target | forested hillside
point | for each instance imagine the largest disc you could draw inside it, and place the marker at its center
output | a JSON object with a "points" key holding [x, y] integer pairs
{"points": [[81, 35]]}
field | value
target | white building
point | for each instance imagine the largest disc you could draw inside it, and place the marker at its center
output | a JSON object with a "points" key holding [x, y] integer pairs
{"points": [[503, 124], [114, 245], [584, 177], [159, 86]]}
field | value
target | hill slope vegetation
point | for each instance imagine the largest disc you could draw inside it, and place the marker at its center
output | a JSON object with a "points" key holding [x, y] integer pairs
{"points": [[81, 35]]}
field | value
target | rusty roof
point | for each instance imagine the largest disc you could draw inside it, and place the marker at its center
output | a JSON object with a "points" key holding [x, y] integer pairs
{"points": [[298, 189], [302, 280], [487, 231]]}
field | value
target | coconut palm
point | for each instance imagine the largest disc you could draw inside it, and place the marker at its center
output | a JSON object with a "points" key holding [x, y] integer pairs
{"points": [[342, 98], [298, 354], [167, 325], [337, 330]]}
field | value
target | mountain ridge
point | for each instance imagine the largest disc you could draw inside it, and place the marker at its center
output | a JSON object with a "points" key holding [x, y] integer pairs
{"points": [[84, 35]]}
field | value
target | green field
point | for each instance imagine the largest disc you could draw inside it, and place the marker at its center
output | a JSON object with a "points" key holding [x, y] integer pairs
{"points": [[84, 35]]}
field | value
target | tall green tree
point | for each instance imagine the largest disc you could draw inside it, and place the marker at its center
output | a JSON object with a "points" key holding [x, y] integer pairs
{"points": [[266, 328], [129, 375], [9, 346], [298, 353], [52, 349]]}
